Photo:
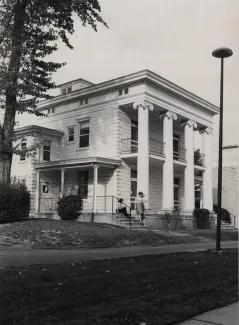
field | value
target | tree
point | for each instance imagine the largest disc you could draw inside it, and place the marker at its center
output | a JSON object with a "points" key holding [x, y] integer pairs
{"points": [[29, 31]]}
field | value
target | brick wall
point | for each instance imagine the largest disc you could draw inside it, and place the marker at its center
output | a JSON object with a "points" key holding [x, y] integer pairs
{"points": [[229, 188]]}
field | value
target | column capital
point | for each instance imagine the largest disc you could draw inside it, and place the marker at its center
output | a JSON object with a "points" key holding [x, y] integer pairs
{"points": [[190, 123], [169, 114], [95, 166], [206, 130], [144, 104], [62, 169]]}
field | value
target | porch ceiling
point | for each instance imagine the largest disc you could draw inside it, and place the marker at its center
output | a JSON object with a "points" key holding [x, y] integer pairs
{"points": [[78, 163]]}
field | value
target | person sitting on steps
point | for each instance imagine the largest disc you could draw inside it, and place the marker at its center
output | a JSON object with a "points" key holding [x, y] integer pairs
{"points": [[122, 208]]}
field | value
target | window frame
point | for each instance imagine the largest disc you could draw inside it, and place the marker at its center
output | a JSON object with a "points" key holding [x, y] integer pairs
{"points": [[23, 156], [69, 89], [83, 175], [63, 91], [68, 134], [86, 121], [44, 150]]}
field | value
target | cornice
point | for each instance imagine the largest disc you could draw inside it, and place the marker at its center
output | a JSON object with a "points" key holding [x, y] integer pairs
{"points": [[142, 77], [36, 129]]}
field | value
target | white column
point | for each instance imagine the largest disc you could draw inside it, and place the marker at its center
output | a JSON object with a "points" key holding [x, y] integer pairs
{"points": [[37, 190], [189, 186], [168, 190], [207, 174], [95, 183], [143, 147], [62, 181]]}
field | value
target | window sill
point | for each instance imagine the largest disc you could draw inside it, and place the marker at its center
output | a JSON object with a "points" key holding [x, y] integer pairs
{"points": [[70, 142], [80, 149]]}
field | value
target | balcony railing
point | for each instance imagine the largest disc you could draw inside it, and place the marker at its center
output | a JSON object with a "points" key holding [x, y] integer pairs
{"points": [[199, 158], [156, 147], [179, 154]]}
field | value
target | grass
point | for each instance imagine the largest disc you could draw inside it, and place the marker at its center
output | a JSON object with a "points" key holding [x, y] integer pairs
{"points": [[53, 234], [155, 289]]}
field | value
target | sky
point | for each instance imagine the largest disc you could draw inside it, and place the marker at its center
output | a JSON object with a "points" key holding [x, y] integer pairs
{"points": [[174, 38]]}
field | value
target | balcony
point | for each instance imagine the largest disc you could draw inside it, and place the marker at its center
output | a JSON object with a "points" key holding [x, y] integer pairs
{"points": [[179, 154], [199, 158], [130, 146]]}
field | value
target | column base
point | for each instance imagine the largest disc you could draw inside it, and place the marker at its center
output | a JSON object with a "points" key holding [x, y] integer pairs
{"points": [[187, 212]]}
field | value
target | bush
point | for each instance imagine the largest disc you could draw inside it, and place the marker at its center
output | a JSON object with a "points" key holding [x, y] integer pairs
{"points": [[225, 214], [69, 207], [14, 201], [172, 220], [202, 218]]}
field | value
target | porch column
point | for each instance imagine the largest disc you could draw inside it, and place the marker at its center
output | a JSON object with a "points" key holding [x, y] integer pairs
{"points": [[168, 186], [95, 183], [207, 174], [62, 181], [189, 186], [143, 147], [37, 190]]}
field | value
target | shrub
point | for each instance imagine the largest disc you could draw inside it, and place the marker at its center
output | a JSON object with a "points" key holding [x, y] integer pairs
{"points": [[172, 220], [202, 218], [225, 214], [69, 207], [14, 201]]}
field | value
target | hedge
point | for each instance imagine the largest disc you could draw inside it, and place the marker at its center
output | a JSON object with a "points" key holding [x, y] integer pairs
{"points": [[202, 218], [225, 214], [14, 201], [69, 207]]}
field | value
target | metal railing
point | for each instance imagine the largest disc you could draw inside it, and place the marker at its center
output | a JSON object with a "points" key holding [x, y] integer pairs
{"points": [[48, 204], [199, 159], [180, 154], [156, 147]]}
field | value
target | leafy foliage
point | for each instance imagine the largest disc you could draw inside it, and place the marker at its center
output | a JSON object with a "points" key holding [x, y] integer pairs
{"points": [[225, 214], [202, 218], [29, 32], [14, 201], [172, 220], [69, 207]]}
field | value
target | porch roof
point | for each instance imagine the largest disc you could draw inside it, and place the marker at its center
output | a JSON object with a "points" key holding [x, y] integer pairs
{"points": [[77, 163], [37, 129]]}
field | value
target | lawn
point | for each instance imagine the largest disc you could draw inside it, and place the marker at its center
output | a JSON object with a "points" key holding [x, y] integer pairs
{"points": [[53, 234], [151, 290]]}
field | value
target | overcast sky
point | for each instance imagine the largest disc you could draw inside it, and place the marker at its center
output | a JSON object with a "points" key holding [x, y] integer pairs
{"points": [[174, 38]]}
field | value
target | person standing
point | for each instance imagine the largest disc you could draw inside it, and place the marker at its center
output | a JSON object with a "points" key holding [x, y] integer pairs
{"points": [[140, 205]]}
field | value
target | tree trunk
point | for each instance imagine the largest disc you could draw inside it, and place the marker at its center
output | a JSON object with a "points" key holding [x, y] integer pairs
{"points": [[6, 139]]}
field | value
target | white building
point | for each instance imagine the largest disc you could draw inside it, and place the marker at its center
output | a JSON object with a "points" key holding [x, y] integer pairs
{"points": [[113, 139]]}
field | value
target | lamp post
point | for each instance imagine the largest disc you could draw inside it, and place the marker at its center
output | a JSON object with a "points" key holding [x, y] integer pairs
{"points": [[220, 53]]}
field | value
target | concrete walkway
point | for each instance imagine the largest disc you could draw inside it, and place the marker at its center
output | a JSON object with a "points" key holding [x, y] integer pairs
{"points": [[223, 316], [16, 257]]}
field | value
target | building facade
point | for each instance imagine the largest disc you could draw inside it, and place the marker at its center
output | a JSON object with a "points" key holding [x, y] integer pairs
{"points": [[111, 140]]}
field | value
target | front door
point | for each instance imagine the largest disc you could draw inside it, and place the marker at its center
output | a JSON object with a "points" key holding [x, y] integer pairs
{"points": [[176, 192], [45, 196], [133, 187]]}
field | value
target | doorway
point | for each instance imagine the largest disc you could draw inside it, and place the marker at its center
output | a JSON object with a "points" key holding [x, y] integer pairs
{"points": [[133, 195], [176, 192]]}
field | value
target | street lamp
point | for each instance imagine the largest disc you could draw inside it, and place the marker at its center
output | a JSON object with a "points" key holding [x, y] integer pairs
{"points": [[220, 53]]}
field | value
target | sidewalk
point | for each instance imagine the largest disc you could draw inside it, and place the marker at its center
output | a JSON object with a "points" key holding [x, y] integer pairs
{"points": [[20, 256], [222, 316]]}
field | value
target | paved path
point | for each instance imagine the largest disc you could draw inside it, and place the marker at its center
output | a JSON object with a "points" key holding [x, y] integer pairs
{"points": [[223, 316], [20, 256]]}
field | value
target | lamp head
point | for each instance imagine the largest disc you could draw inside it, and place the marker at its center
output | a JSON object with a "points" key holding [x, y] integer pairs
{"points": [[222, 52]]}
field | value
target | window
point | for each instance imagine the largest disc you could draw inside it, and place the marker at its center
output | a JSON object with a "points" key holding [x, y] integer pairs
{"points": [[53, 110], [120, 92], [81, 102], [23, 147], [134, 136], [86, 101], [47, 151], [69, 89], [126, 91], [63, 91], [175, 146], [84, 132], [83, 183], [48, 111], [71, 134]]}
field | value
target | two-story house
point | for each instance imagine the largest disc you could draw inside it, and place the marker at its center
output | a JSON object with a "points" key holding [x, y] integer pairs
{"points": [[113, 139]]}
